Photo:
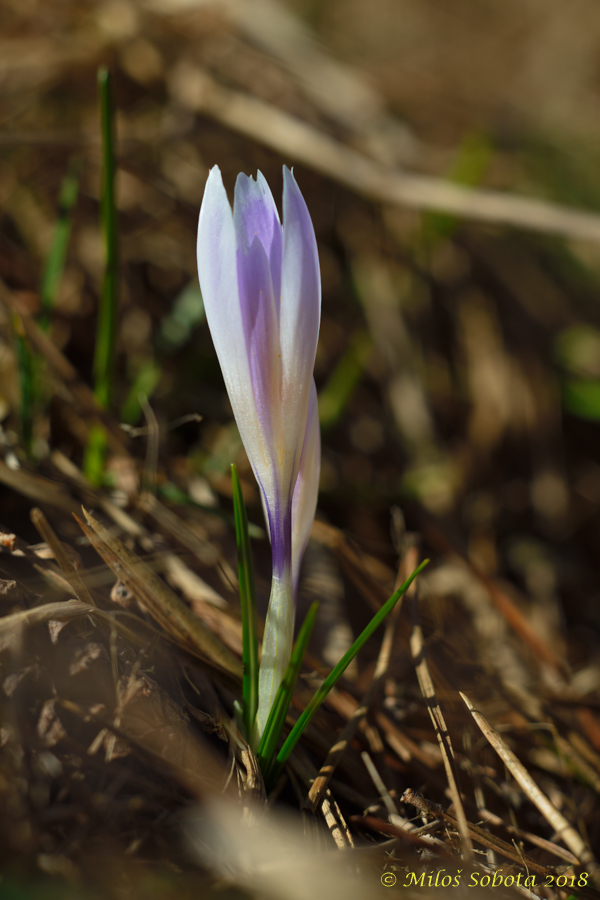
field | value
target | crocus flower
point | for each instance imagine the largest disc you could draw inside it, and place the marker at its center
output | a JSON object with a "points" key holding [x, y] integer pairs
{"points": [[261, 289]]}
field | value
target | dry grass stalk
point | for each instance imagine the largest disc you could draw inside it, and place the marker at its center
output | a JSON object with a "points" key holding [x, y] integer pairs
{"points": [[319, 785], [542, 843], [477, 834], [294, 139], [437, 717], [561, 826], [154, 595], [62, 611], [69, 571], [37, 488]]}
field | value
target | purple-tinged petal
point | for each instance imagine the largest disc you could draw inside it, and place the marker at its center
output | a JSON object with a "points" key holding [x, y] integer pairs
{"points": [[304, 503], [231, 328], [259, 317], [301, 281], [255, 216], [300, 307], [217, 271], [262, 298]]}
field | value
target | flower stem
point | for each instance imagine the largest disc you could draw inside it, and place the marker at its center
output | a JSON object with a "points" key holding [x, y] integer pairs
{"points": [[249, 621], [337, 672], [276, 648]]}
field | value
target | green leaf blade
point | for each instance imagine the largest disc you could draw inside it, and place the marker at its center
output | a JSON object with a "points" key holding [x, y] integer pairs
{"points": [[106, 333], [248, 604], [55, 263], [107, 313], [279, 710], [339, 670]]}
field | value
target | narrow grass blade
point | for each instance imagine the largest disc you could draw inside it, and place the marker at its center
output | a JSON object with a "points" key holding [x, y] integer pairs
{"points": [[248, 603], [340, 387], [107, 313], [145, 383], [58, 252], [441, 731], [339, 670], [279, 710], [107, 310], [93, 457]]}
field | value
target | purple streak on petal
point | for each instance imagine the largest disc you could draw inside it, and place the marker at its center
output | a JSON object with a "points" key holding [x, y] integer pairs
{"points": [[280, 532], [262, 298], [259, 318], [255, 216], [304, 503], [278, 519], [218, 273]]}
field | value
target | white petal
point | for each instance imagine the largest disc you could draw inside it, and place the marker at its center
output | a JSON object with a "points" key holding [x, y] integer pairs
{"points": [[300, 309], [229, 327], [304, 504]]}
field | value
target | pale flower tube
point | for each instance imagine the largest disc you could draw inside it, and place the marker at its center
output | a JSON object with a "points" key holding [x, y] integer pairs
{"points": [[261, 288]]}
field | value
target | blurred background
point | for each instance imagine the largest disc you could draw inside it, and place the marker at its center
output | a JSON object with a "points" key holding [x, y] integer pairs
{"points": [[459, 361], [449, 154]]}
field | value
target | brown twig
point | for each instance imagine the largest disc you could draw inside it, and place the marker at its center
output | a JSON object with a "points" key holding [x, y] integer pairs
{"points": [[475, 832], [297, 140], [421, 841], [154, 595]]}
